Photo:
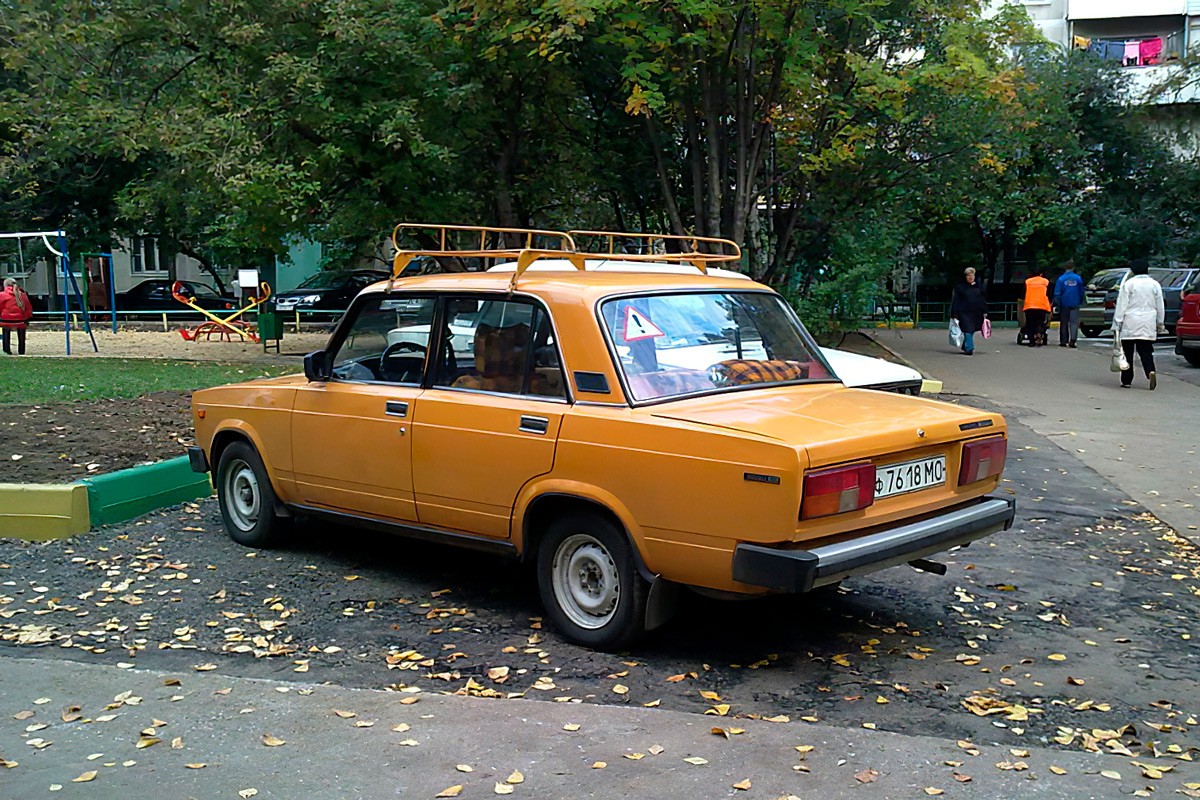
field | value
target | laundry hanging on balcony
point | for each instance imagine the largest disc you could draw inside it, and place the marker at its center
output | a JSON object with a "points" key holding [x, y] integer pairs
{"points": [[1149, 50]]}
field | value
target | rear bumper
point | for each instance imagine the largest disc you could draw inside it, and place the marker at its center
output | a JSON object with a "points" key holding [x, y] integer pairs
{"points": [[802, 570], [1182, 343], [198, 460]]}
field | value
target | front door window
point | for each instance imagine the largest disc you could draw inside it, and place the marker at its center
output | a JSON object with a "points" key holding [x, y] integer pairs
{"points": [[387, 341]]}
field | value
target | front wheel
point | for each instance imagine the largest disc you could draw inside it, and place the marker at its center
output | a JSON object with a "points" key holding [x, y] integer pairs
{"points": [[1192, 357], [589, 582], [246, 497]]}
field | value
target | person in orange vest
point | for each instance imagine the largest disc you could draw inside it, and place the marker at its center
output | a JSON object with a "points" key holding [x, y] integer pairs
{"points": [[1037, 308]]}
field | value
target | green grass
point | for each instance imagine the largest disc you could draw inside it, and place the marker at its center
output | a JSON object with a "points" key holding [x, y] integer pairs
{"points": [[29, 379]]}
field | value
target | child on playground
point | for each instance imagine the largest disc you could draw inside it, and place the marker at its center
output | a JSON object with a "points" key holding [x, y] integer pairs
{"points": [[15, 311]]}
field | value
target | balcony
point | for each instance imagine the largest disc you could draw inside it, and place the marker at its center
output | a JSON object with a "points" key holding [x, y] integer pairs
{"points": [[1121, 9]]}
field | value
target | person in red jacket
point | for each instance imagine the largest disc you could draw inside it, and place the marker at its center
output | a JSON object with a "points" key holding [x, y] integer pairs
{"points": [[15, 311]]}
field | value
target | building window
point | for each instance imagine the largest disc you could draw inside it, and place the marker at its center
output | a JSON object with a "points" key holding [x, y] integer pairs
{"points": [[144, 255]]}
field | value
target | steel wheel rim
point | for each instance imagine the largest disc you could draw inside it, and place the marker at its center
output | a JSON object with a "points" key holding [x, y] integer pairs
{"points": [[243, 499], [586, 581]]}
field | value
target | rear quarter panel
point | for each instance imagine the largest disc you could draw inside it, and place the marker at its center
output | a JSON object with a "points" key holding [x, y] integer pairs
{"points": [[682, 486]]}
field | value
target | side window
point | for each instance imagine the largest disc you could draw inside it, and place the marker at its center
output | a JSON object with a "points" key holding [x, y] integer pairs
{"points": [[499, 346], [387, 340]]}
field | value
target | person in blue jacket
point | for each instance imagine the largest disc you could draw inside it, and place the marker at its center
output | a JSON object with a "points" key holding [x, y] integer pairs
{"points": [[1068, 297]]}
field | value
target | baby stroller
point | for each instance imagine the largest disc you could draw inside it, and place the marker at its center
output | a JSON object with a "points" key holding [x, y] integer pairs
{"points": [[1030, 337]]}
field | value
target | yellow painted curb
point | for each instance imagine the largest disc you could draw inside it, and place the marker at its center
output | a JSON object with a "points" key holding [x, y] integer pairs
{"points": [[39, 512], [904, 324], [930, 386]]}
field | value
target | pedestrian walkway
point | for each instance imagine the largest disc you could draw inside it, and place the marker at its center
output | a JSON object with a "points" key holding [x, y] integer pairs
{"points": [[1142, 441], [98, 731]]}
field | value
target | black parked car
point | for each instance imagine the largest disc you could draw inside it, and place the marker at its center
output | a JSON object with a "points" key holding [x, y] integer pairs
{"points": [[155, 295], [328, 290]]}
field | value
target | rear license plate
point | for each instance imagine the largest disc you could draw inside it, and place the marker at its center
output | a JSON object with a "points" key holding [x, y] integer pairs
{"points": [[909, 476]]}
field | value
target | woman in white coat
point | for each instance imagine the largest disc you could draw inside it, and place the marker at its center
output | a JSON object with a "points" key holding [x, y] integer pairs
{"points": [[1138, 319]]}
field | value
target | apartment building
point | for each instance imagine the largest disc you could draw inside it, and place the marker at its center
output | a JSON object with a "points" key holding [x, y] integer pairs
{"points": [[1149, 39], [135, 259]]}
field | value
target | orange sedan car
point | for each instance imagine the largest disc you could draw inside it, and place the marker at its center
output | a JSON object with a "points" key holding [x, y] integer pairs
{"points": [[633, 433]]}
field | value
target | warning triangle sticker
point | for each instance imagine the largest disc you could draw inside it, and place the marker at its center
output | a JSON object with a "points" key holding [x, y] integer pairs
{"points": [[639, 326]]}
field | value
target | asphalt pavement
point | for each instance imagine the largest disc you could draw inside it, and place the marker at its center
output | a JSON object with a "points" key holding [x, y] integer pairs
{"points": [[1144, 442]]}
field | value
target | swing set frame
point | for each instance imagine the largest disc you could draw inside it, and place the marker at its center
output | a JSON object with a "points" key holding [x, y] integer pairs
{"points": [[68, 278]]}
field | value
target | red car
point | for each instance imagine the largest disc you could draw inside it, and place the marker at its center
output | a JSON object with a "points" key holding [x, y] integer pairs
{"points": [[1187, 329]]}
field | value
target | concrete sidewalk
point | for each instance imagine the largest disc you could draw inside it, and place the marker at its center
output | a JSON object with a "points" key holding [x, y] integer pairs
{"points": [[208, 737], [1142, 441]]}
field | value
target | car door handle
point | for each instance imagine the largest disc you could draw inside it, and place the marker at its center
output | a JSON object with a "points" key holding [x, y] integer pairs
{"points": [[396, 408], [537, 425]]}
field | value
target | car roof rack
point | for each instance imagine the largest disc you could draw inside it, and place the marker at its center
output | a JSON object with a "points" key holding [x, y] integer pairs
{"points": [[457, 241]]}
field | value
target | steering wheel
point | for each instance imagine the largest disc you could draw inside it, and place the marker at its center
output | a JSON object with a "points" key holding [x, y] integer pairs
{"points": [[401, 370]]}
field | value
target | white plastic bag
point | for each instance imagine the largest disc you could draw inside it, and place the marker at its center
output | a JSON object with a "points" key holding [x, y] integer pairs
{"points": [[956, 334], [1119, 362]]}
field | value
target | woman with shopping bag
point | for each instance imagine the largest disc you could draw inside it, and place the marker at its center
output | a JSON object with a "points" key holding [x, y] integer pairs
{"points": [[1137, 322], [968, 309]]}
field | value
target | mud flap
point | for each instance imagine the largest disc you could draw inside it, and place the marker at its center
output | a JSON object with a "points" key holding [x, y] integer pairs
{"points": [[662, 602]]}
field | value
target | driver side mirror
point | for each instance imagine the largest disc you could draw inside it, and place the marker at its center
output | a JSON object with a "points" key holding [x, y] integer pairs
{"points": [[316, 366]]}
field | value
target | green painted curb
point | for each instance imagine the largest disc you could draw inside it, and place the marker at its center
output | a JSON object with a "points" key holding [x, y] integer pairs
{"points": [[128, 493], [38, 512]]}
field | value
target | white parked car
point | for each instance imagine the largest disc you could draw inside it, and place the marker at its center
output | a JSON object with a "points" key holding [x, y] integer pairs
{"points": [[854, 370]]}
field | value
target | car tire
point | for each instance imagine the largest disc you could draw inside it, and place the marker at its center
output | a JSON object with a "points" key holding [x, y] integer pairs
{"points": [[246, 497], [1192, 357], [1090, 332], [589, 582]]}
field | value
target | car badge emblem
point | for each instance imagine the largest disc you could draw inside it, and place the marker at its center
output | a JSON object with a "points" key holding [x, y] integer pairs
{"points": [[920, 433]]}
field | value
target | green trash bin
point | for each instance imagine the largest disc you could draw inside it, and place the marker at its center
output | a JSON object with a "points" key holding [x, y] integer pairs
{"points": [[270, 327]]}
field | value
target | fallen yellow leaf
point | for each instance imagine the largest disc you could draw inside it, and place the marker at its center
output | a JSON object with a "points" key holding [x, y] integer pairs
{"points": [[1057, 770], [570, 726], [599, 764], [932, 790], [272, 741], [90, 775], [1111, 774], [743, 785], [345, 714], [197, 765], [707, 695], [620, 689], [1056, 657], [453, 791], [244, 793], [721, 709], [696, 761], [516, 777], [147, 741], [464, 768], [503, 788]]}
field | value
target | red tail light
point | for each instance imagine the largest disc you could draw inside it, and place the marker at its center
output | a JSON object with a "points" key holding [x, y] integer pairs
{"points": [[982, 459], [1110, 304], [836, 491]]}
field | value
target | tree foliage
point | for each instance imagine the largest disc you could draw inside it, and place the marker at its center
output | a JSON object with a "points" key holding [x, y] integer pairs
{"points": [[828, 139]]}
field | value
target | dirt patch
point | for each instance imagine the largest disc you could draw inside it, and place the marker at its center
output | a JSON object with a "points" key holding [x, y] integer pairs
{"points": [[63, 442]]}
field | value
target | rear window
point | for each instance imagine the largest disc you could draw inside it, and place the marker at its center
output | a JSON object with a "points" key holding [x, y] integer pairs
{"points": [[690, 343], [1106, 280]]}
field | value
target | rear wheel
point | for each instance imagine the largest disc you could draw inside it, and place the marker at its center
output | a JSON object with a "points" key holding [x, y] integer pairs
{"points": [[589, 582], [1192, 357], [246, 497], [1090, 332]]}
